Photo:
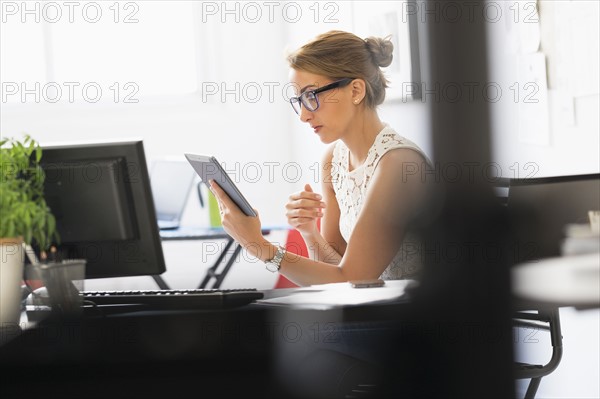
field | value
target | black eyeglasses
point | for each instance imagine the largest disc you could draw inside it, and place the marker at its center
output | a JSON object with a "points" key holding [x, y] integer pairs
{"points": [[309, 98]]}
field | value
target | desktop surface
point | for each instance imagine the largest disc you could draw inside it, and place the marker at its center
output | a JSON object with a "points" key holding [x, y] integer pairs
{"points": [[259, 350], [140, 353], [229, 352], [193, 233]]}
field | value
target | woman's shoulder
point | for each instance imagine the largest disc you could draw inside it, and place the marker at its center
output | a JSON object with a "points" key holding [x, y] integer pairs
{"points": [[401, 157], [396, 149], [388, 138]]}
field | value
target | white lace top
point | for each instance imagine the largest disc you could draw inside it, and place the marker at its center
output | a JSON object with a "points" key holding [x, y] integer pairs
{"points": [[351, 189]]}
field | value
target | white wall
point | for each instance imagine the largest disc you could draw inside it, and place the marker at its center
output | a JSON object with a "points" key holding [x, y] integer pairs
{"points": [[567, 37]]}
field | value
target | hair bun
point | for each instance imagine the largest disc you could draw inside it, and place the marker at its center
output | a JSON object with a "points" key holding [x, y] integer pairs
{"points": [[381, 50]]}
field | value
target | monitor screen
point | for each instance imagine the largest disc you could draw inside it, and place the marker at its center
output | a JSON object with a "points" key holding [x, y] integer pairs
{"points": [[541, 209], [101, 197]]}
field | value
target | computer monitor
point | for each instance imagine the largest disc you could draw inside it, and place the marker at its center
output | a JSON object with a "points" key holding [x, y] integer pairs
{"points": [[541, 208], [101, 197]]}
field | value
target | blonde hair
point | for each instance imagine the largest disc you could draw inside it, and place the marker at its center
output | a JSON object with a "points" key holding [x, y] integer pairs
{"points": [[338, 54]]}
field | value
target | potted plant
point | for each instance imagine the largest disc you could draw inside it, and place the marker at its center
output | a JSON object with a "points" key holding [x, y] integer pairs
{"points": [[24, 217]]}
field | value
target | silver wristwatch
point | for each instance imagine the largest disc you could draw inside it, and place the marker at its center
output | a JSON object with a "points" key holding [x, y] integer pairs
{"points": [[274, 264]]}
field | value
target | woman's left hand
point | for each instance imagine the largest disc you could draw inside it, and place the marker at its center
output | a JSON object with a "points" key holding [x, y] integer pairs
{"points": [[244, 229]]}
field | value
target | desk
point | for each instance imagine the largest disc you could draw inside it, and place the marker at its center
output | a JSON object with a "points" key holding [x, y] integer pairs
{"points": [[219, 269], [561, 281], [391, 349], [231, 353]]}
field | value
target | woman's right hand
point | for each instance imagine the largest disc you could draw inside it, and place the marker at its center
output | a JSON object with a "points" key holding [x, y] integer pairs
{"points": [[303, 210]]}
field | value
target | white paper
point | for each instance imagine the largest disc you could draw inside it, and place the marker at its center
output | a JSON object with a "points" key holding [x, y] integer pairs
{"points": [[531, 93], [341, 294], [572, 280]]}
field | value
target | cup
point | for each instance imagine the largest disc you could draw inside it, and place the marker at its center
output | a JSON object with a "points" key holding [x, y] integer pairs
{"points": [[63, 281], [213, 211]]}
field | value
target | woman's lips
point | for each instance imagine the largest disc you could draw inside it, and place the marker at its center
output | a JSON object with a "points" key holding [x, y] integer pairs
{"points": [[317, 128]]}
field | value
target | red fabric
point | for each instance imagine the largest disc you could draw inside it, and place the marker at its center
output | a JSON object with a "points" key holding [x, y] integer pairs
{"points": [[33, 284], [283, 282]]}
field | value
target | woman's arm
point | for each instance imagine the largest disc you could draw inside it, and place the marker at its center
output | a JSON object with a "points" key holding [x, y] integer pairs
{"points": [[391, 202]]}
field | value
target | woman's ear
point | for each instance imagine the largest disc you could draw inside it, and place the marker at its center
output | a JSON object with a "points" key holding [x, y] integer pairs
{"points": [[359, 91]]}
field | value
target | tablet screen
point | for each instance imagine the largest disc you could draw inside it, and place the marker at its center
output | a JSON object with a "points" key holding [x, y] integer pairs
{"points": [[208, 168]]}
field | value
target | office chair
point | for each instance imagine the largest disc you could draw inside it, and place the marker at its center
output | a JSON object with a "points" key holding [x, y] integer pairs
{"points": [[546, 320], [536, 319], [540, 209]]}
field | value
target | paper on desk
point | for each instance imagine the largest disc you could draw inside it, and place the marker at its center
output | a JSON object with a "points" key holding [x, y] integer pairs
{"points": [[340, 294], [569, 280]]}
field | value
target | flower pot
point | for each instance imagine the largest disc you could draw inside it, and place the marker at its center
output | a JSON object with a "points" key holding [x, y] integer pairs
{"points": [[11, 275]]}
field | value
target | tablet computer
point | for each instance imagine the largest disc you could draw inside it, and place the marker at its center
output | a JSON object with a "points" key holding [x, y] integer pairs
{"points": [[208, 168]]}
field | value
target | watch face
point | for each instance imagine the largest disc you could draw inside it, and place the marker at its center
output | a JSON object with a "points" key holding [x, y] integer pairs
{"points": [[272, 267]]}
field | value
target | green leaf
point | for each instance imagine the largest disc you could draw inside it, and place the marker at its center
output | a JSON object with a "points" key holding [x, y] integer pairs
{"points": [[27, 217], [10, 229], [24, 211]]}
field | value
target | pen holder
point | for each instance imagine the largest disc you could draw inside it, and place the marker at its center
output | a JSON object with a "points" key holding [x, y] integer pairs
{"points": [[63, 281]]}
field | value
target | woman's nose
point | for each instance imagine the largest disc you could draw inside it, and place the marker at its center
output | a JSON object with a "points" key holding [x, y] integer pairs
{"points": [[305, 115]]}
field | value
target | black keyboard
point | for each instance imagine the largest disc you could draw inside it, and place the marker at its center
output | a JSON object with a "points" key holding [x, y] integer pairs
{"points": [[176, 299]]}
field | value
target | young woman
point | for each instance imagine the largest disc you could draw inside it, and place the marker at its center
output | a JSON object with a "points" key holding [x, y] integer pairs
{"points": [[368, 197]]}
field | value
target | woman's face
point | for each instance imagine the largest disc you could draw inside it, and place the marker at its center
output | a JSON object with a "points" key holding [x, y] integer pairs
{"points": [[331, 120]]}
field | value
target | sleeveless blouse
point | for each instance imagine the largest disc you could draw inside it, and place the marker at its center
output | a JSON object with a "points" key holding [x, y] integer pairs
{"points": [[351, 189]]}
